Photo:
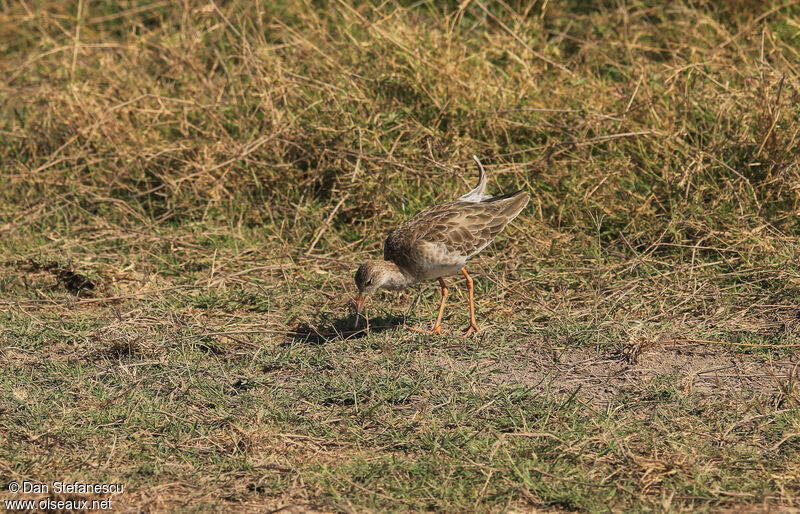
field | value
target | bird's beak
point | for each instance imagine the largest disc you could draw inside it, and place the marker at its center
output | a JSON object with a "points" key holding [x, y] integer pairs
{"points": [[359, 307], [360, 303]]}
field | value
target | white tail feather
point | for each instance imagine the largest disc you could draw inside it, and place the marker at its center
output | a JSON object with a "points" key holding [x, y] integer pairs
{"points": [[477, 194]]}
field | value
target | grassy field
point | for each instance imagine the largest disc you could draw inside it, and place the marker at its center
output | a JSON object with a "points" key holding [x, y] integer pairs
{"points": [[186, 190]]}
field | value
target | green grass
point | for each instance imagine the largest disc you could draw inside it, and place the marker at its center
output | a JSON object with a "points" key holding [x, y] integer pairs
{"points": [[185, 195]]}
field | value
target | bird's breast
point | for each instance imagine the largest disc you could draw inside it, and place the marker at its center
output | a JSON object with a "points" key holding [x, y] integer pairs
{"points": [[428, 261]]}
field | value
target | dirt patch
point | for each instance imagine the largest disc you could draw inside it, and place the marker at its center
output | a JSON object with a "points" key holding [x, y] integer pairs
{"points": [[66, 278], [598, 379]]}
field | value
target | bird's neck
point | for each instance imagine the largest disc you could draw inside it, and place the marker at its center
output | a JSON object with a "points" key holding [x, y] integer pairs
{"points": [[397, 278]]}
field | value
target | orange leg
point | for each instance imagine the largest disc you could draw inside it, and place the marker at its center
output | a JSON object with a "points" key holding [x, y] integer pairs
{"points": [[473, 325], [437, 327]]}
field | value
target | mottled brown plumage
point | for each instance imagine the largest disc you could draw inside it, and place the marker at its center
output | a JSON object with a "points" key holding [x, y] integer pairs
{"points": [[439, 241]]}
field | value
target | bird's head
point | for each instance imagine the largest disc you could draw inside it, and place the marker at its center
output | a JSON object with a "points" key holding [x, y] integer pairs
{"points": [[371, 276], [374, 275]]}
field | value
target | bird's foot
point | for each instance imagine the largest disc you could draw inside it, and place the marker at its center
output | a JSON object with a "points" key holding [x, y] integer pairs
{"points": [[471, 329], [436, 330]]}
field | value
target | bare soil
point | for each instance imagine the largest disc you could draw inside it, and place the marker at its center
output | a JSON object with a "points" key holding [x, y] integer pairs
{"points": [[597, 378]]}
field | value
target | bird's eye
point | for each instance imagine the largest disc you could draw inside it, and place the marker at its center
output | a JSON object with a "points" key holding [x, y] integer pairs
{"points": [[369, 282]]}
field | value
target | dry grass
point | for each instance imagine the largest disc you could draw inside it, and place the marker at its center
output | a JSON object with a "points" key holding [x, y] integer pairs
{"points": [[186, 190]]}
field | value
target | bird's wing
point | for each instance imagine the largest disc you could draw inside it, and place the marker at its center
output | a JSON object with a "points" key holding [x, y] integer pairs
{"points": [[461, 228]]}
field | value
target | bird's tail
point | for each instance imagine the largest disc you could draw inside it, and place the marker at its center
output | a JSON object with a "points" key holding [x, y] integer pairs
{"points": [[477, 194]]}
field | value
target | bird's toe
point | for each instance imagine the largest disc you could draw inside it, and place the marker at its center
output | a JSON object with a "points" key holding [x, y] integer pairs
{"points": [[471, 329]]}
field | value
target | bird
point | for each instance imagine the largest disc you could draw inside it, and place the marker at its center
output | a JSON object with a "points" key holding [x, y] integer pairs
{"points": [[436, 243]]}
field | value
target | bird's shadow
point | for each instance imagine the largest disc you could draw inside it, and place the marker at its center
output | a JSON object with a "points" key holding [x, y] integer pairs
{"points": [[327, 330]]}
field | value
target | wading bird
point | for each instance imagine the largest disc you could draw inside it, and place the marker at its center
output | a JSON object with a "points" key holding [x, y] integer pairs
{"points": [[438, 242]]}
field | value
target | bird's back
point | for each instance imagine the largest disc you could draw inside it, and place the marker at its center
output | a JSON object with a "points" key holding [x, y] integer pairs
{"points": [[439, 240]]}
